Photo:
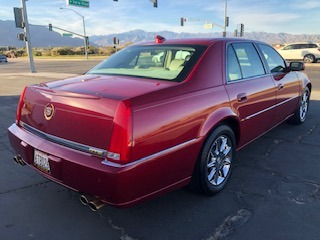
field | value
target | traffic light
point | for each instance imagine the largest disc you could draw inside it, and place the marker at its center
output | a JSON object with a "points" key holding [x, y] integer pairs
{"points": [[241, 30], [182, 21], [21, 37], [50, 27], [155, 3], [115, 40], [18, 17], [235, 33], [227, 21], [87, 41]]}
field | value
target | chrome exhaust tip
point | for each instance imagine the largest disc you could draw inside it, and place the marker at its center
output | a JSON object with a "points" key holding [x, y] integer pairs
{"points": [[18, 159], [96, 204], [84, 199]]}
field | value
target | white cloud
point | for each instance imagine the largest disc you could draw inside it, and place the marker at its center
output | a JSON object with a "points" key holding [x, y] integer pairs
{"points": [[305, 5]]}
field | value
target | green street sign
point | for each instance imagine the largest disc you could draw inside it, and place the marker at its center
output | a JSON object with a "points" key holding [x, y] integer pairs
{"points": [[78, 3], [67, 34]]}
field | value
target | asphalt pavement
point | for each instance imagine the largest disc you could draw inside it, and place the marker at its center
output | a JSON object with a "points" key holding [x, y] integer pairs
{"points": [[274, 192]]}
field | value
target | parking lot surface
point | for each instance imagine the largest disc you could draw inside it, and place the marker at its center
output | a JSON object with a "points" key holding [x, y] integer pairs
{"points": [[274, 192]]}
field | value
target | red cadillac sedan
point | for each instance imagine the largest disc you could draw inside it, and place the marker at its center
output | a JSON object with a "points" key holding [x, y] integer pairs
{"points": [[157, 116]]}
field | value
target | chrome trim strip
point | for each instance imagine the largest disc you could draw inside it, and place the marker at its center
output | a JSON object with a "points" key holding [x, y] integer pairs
{"points": [[267, 109], [100, 152], [152, 156], [70, 144]]}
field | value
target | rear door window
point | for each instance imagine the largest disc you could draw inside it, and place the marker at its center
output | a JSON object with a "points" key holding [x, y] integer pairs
{"points": [[246, 58]]}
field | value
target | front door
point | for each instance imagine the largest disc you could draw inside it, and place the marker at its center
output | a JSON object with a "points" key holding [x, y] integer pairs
{"points": [[287, 84]]}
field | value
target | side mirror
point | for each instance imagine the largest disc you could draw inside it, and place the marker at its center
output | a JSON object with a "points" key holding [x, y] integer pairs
{"points": [[297, 66]]}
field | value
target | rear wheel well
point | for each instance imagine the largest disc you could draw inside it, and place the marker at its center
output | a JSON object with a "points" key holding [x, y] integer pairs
{"points": [[234, 125]]}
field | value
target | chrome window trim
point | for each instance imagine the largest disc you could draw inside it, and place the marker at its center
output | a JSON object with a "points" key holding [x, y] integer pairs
{"points": [[267, 109], [100, 152]]}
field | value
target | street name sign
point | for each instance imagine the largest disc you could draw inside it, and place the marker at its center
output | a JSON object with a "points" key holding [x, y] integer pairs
{"points": [[78, 3], [208, 25], [67, 34]]}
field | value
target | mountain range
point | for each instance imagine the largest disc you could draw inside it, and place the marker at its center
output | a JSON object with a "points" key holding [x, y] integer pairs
{"points": [[42, 37]]}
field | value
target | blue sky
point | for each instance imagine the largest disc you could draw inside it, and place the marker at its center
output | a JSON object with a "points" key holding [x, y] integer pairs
{"points": [[106, 16]]}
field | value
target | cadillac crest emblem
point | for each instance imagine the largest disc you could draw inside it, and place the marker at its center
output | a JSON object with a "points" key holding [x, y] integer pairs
{"points": [[49, 111]]}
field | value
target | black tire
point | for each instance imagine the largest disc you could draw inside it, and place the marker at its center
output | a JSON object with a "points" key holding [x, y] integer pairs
{"points": [[215, 161], [300, 114], [309, 58]]}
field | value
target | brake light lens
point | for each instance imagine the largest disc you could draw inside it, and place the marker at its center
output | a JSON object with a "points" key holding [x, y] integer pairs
{"points": [[159, 39], [20, 106], [121, 138]]}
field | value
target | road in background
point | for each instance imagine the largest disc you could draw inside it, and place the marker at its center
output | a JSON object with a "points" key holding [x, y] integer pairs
{"points": [[274, 192], [67, 65]]}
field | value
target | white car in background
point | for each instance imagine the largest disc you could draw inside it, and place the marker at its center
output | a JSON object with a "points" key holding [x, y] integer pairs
{"points": [[308, 52]]}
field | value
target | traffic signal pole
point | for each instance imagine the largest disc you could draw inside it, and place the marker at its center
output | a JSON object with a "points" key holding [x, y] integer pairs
{"points": [[225, 20], [27, 35]]}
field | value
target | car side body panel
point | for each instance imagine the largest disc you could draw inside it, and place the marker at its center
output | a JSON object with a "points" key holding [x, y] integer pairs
{"points": [[253, 102], [287, 92]]}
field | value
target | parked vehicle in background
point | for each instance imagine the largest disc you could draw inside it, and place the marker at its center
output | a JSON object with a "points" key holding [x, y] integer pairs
{"points": [[307, 52], [3, 58], [133, 127]]}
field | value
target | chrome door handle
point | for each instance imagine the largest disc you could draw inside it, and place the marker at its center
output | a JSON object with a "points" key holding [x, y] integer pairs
{"points": [[280, 86], [241, 97]]}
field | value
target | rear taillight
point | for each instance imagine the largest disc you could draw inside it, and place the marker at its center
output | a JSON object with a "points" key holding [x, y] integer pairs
{"points": [[121, 138], [20, 106]]}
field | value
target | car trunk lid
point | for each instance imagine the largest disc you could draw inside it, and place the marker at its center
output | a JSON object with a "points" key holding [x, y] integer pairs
{"points": [[81, 109]]}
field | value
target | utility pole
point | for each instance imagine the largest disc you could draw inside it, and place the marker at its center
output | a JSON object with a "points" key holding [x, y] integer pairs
{"points": [[226, 20], [27, 35]]}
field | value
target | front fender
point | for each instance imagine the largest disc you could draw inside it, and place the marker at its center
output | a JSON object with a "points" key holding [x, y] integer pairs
{"points": [[304, 81]]}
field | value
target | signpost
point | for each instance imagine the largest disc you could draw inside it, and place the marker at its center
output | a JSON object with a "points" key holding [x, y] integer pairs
{"points": [[208, 25], [67, 34], [27, 37], [78, 3]]}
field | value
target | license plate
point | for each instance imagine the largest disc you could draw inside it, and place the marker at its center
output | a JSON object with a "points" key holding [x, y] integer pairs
{"points": [[41, 161]]}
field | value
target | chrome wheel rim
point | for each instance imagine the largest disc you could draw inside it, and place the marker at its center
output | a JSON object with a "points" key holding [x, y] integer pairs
{"points": [[219, 160], [308, 59], [304, 105]]}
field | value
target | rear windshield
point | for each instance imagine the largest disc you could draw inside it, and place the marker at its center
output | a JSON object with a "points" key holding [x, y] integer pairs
{"points": [[165, 62]]}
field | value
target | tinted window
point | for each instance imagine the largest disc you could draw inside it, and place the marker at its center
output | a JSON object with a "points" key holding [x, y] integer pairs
{"points": [[249, 60], [292, 46], [311, 45], [273, 58], [304, 46], [233, 67]]}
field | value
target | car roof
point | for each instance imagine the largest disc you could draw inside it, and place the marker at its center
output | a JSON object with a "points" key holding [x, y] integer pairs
{"points": [[286, 44], [198, 41]]}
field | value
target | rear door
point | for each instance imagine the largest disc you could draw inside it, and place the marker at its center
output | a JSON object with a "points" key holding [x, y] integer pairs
{"points": [[251, 90], [287, 83]]}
